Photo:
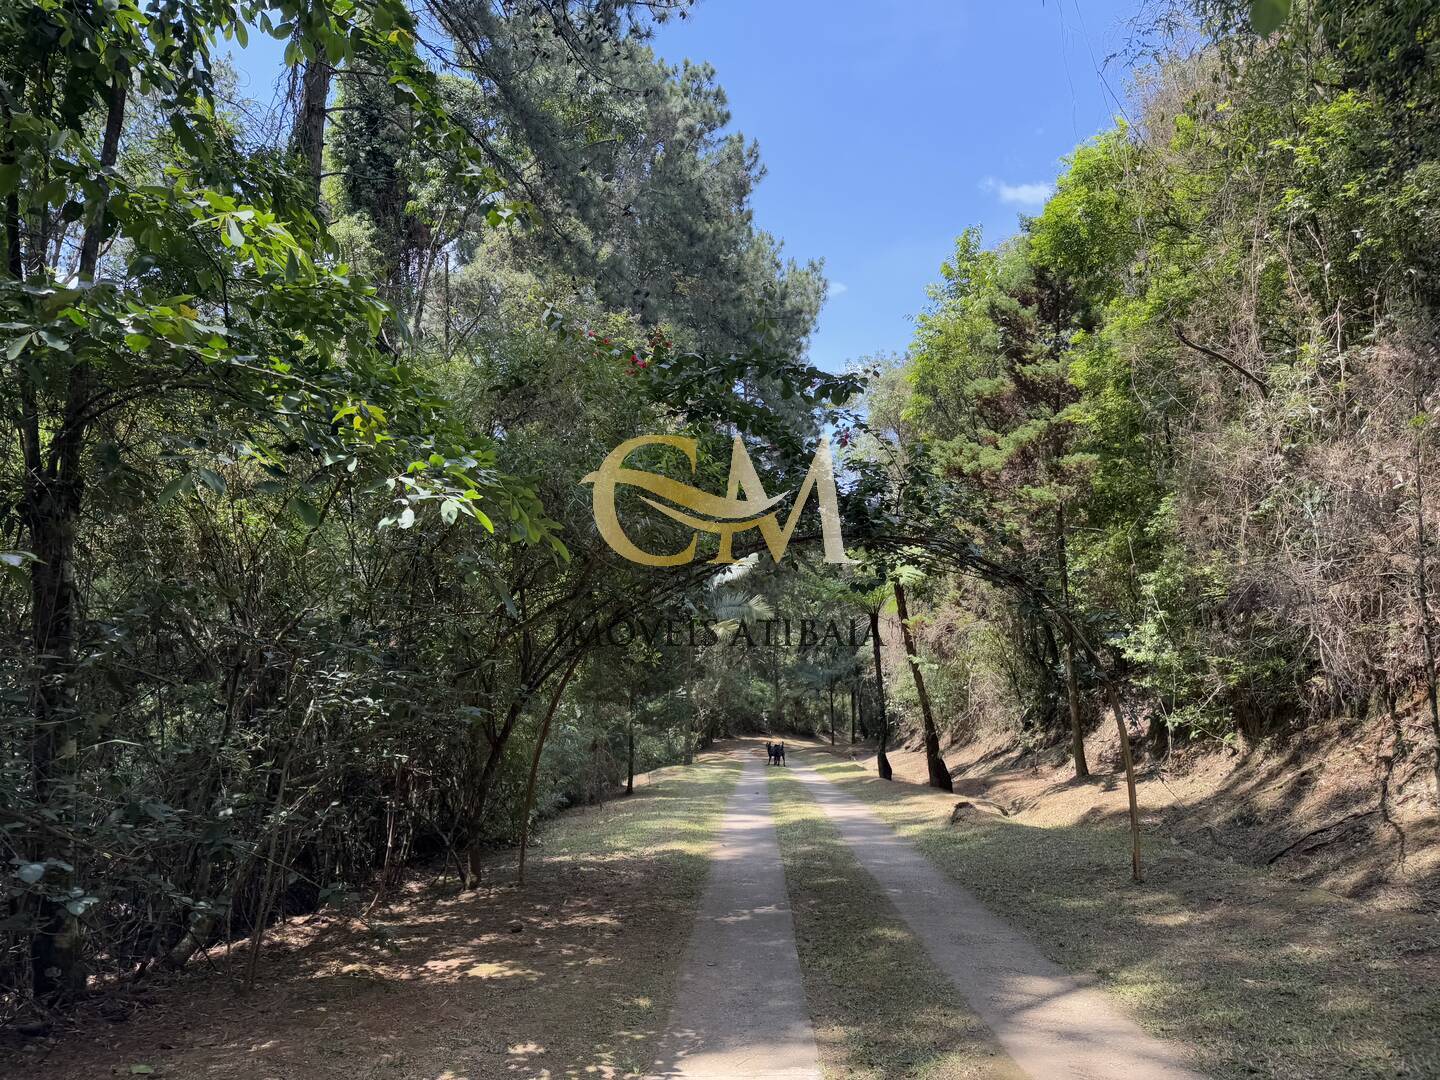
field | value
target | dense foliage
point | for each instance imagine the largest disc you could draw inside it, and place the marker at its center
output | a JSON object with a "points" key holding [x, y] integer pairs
{"points": [[293, 534], [1195, 396]]}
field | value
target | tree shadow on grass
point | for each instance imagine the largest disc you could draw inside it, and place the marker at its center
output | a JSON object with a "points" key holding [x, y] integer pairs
{"points": [[570, 976], [1264, 976]]}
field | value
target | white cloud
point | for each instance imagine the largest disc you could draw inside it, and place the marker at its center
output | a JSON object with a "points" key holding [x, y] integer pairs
{"points": [[1032, 195], [838, 287]]}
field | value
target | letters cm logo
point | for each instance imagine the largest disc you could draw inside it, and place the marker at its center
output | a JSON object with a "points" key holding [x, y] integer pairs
{"points": [[705, 512]]}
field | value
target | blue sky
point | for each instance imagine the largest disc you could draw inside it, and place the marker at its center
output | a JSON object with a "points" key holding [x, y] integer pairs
{"points": [[888, 128]]}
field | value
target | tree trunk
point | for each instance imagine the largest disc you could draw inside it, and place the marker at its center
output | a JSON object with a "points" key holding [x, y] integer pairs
{"points": [[1113, 698], [779, 706], [52, 500], [854, 713], [630, 758], [15, 255], [529, 804], [1072, 686], [1129, 761], [309, 137], [480, 795], [939, 772], [882, 763], [1077, 732], [832, 714], [52, 510], [268, 884]]}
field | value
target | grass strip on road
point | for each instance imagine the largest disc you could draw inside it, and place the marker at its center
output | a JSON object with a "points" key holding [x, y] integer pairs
{"points": [[880, 1007], [1266, 978]]}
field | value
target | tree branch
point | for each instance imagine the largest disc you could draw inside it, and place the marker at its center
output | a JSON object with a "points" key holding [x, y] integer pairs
{"points": [[1205, 350]]}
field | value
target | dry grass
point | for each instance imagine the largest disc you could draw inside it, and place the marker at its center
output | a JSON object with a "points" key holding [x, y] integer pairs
{"points": [[880, 1006], [1308, 805], [444, 986], [1265, 977]]}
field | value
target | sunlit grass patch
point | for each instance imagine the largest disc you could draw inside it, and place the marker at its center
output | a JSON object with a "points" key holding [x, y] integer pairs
{"points": [[643, 860], [675, 814]]}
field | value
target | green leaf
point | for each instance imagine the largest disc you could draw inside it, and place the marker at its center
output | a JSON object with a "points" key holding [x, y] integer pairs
{"points": [[138, 342], [1267, 16], [305, 511], [233, 234], [17, 346], [182, 483], [407, 518], [211, 479], [449, 510]]}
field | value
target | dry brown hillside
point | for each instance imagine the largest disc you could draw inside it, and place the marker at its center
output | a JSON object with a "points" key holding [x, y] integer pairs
{"points": [[1349, 808]]}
